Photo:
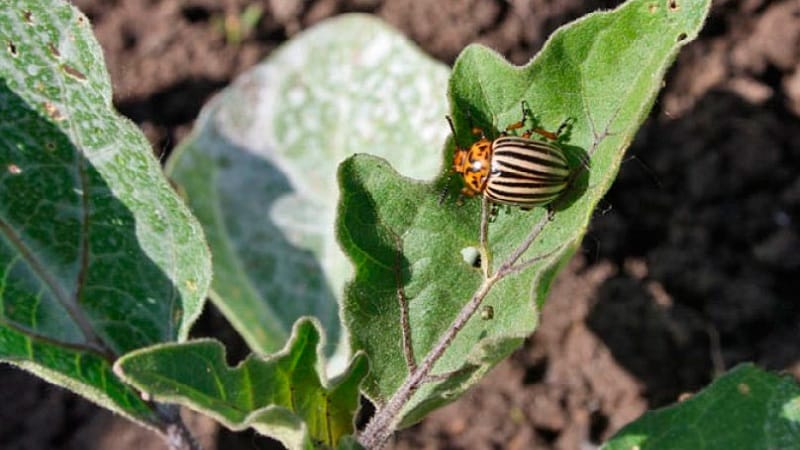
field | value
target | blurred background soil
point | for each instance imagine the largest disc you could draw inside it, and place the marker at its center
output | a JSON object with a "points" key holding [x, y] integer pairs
{"points": [[691, 264]]}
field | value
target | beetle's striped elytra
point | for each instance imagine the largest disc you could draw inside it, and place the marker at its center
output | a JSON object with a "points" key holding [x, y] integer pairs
{"points": [[526, 172], [513, 170]]}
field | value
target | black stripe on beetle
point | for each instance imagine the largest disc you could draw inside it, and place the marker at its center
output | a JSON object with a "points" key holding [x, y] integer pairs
{"points": [[513, 170]]}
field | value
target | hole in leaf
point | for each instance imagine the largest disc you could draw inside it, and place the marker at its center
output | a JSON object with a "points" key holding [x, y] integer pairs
{"points": [[14, 169], [471, 256], [27, 16], [681, 37], [12, 48], [652, 7], [673, 5]]}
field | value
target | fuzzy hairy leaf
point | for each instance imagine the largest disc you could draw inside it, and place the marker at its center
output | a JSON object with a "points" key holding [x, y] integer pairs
{"points": [[98, 255], [747, 408], [282, 396], [259, 170], [600, 73]]}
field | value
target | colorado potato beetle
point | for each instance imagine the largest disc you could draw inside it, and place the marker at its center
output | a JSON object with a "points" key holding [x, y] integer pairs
{"points": [[513, 170]]}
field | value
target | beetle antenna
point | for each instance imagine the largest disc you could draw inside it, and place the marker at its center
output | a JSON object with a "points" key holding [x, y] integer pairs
{"points": [[445, 189], [452, 129]]}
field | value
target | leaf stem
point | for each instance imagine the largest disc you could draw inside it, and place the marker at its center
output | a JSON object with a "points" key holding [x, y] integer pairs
{"points": [[486, 253], [405, 326], [176, 434], [526, 244], [408, 348], [383, 424]]}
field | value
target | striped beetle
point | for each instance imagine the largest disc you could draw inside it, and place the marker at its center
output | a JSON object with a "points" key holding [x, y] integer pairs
{"points": [[513, 170]]}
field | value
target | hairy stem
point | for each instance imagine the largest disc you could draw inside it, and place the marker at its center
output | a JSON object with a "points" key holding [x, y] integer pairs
{"points": [[176, 434], [485, 252], [383, 424]]}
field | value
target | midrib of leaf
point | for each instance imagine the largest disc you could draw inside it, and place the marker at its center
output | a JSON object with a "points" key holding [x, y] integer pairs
{"points": [[93, 342]]}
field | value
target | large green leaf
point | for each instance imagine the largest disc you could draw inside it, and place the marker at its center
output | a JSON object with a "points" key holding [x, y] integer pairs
{"points": [[98, 255], [283, 396], [746, 408], [414, 258], [259, 169]]}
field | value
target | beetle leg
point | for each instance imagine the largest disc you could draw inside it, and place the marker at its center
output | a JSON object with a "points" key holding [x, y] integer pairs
{"points": [[564, 125], [542, 132], [467, 191], [514, 126], [493, 213], [527, 113]]}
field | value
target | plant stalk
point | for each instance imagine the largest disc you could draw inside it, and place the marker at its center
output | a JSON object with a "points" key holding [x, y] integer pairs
{"points": [[175, 433], [383, 424]]}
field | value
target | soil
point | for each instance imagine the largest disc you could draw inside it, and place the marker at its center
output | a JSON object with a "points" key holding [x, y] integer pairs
{"points": [[690, 266]]}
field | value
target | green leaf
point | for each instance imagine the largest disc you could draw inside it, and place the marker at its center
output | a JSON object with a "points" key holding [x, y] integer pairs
{"points": [[602, 73], [259, 169], [747, 408], [83, 372], [283, 395], [98, 255], [349, 443]]}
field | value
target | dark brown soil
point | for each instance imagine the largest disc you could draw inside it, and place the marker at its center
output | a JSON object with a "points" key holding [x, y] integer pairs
{"points": [[691, 265]]}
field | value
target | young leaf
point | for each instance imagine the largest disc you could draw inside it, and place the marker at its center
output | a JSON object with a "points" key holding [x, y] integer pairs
{"points": [[259, 169], [98, 254], [414, 258], [745, 408], [283, 396]]}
